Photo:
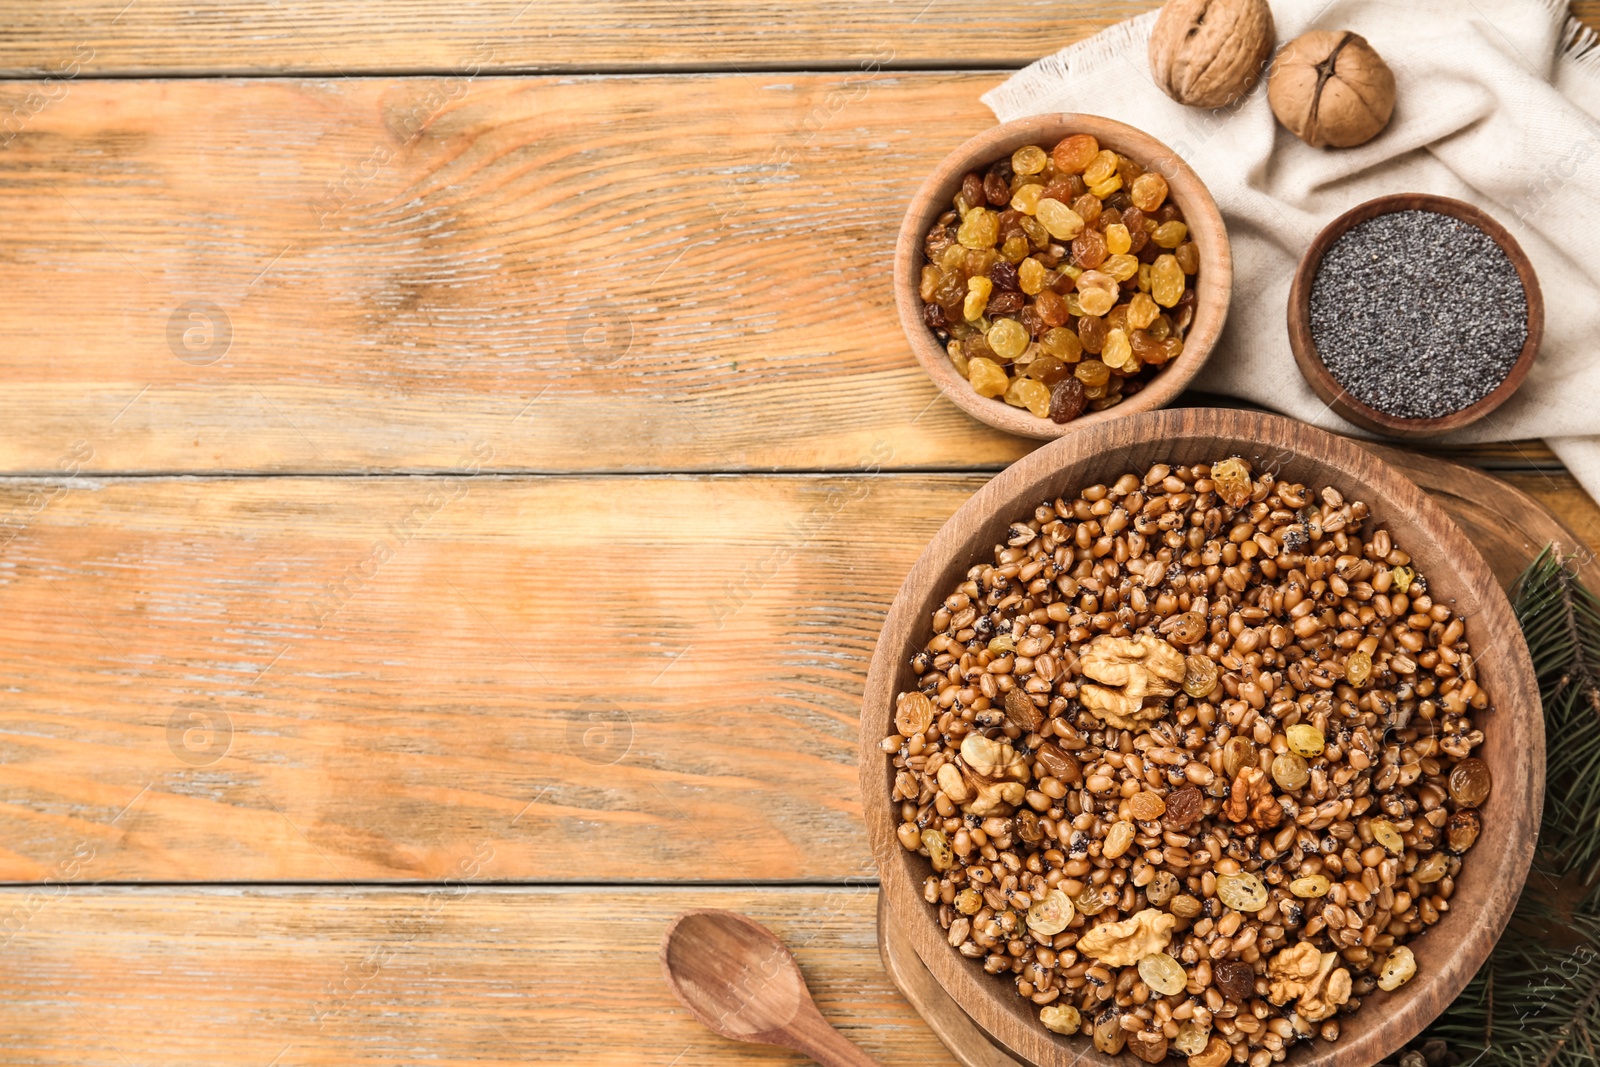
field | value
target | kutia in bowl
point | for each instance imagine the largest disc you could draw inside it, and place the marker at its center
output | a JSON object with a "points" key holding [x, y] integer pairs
{"points": [[1413, 315], [1187, 750], [1057, 271]]}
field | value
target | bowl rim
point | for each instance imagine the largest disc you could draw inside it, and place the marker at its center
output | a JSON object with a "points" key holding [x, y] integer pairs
{"points": [[1388, 1020], [1321, 379], [1200, 213]]}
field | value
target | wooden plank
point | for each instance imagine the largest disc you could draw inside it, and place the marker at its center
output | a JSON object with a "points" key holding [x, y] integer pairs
{"points": [[584, 274], [157, 37], [570, 274], [332, 679], [295, 977], [324, 679]]}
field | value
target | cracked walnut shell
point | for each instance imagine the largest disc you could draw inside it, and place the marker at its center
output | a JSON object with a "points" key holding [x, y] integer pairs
{"points": [[1329, 88], [1125, 943], [1209, 53]]}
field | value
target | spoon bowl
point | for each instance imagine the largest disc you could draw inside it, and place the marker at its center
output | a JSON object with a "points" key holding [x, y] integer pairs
{"points": [[740, 981]]}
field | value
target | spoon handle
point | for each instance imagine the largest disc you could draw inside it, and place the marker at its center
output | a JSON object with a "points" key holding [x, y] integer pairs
{"points": [[828, 1046]]}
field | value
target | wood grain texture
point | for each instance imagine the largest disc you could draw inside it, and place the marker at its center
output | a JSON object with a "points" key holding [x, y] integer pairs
{"points": [[584, 273], [155, 37], [579, 274], [636, 656], [1514, 734], [636, 679], [324, 977]]}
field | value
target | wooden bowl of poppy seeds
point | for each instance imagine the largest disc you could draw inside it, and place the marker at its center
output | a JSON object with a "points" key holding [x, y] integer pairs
{"points": [[1414, 315]]}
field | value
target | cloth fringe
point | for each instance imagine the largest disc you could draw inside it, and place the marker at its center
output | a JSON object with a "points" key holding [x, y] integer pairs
{"points": [[1578, 45]]}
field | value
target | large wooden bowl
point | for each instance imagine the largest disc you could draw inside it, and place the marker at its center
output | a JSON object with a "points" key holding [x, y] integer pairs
{"points": [[1214, 282], [1449, 953]]}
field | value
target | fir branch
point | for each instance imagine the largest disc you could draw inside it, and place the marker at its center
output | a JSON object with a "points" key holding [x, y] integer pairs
{"points": [[1561, 622]]}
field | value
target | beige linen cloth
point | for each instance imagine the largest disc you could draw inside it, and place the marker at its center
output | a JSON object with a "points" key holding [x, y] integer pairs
{"points": [[1496, 104]]}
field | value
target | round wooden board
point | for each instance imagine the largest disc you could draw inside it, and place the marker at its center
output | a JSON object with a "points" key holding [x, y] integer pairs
{"points": [[1509, 527]]}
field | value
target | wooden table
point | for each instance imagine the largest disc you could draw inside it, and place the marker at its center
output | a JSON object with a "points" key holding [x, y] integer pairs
{"points": [[456, 460]]}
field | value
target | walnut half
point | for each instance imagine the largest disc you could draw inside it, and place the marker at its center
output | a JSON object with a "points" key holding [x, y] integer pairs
{"points": [[1125, 943], [1250, 799], [1306, 976], [1136, 676]]}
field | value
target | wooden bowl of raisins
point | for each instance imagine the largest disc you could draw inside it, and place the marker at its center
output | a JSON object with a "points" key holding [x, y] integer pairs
{"points": [[1058, 271]]}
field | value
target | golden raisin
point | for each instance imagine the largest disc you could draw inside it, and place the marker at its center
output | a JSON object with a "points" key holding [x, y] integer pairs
{"points": [[1118, 240], [1358, 668], [1312, 885], [1163, 974], [1062, 344], [1146, 805], [1237, 754], [1470, 782], [1117, 841], [1063, 223], [1101, 168], [1385, 834], [1290, 771], [1148, 191], [1305, 739], [1030, 394], [1118, 352], [1232, 479], [1091, 372], [988, 378], [1397, 969], [1051, 915], [1170, 235], [1166, 280], [1242, 891], [1075, 153], [1008, 339], [1029, 159], [1030, 276], [913, 714], [1200, 675]]}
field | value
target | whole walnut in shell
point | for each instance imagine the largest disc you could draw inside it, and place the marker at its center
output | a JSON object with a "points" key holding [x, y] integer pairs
{"points": [[1208, 53], [1328, 87]]}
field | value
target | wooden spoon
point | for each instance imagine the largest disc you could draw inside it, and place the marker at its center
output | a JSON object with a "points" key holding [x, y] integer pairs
{"points": [[737, 978]]}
